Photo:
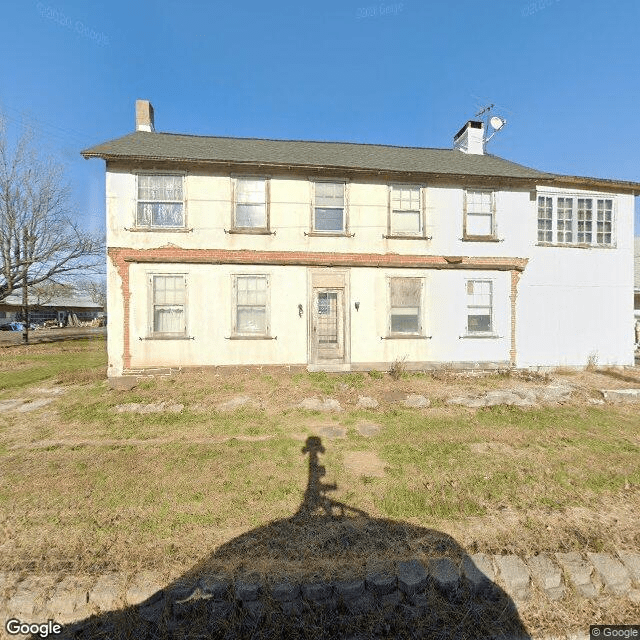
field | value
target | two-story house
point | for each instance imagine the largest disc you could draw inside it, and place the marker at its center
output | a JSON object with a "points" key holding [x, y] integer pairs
{"points": [[342, 256]]}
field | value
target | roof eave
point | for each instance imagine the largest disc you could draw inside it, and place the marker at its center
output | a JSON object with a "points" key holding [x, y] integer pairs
{"points": [[620, 186], [313, 167]]}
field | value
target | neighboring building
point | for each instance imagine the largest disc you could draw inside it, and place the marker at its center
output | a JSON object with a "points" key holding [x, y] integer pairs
{"points": [[57, 309], [636, 277], [341, 256]]}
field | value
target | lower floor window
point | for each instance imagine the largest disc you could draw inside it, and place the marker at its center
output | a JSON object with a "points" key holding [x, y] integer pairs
{"points": [[251, 304], [405, 296], [479, 306], [169, 301]]}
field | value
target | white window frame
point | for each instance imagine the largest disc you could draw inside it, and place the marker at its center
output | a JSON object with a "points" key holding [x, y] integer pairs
{"points": [[234, 310], [469, 307], [565, 219], [580, 229], [602, 230], [153, 333], [139, 201], [490, 214], [345, 221], [234, 204], [392, 232], [545, 222], [405, 334]]}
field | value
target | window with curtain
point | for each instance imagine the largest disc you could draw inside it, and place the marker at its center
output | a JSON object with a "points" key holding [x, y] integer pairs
{"points": [[250, 203], [251, 304], [160, 201], [168, 301]]}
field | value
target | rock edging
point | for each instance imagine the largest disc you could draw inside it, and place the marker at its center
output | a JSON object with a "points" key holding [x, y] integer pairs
{"points": [[72, 598]]}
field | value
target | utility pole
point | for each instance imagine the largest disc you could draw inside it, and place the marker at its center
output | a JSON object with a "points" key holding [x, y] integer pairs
{"points": [[25, 295]]}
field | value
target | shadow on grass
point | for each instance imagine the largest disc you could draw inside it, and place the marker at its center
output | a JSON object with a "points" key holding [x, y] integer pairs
{"points": [[328, 571]]}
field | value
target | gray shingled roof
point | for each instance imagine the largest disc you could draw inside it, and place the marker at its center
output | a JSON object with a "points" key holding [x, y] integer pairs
{"points": [[15, 300], [343, 155]]}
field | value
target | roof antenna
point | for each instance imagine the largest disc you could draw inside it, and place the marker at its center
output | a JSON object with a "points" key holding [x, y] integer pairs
{"points": [[496, 122]]}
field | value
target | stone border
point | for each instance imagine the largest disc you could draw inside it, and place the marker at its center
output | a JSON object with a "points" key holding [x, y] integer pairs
{"points": [[73, 598]]}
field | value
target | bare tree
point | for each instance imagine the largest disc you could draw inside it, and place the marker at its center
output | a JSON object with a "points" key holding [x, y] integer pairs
{"points": [[96, 290], [40, 239], [45, 292]]}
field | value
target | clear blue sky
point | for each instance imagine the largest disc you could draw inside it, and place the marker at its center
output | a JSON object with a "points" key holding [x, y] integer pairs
{"points": [[564, 73]]}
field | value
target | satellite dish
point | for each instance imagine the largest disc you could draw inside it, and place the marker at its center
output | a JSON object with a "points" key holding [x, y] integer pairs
{"points": [[497, 122]]}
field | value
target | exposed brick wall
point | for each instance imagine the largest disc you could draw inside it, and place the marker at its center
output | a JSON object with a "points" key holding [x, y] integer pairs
{"points": [[118, 260], [515, 278], [173, 254]]}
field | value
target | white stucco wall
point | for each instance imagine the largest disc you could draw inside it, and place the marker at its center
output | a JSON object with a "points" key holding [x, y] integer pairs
{"points": [[210, 315], [573, 303]]}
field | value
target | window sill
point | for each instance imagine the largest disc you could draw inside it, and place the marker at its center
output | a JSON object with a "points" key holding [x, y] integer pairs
{"points": [[167, 337], [482, 336], [405, 337], [397, 237], [241, 337], [250, 232], [481, 239], [329, 234], [575, 245], [159, 229]]}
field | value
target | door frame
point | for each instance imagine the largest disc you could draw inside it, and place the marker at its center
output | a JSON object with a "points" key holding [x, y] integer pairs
{"points": [[329, 279]]}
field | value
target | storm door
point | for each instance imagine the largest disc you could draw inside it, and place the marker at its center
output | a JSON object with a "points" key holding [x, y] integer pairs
{"points": [[327, 331]]}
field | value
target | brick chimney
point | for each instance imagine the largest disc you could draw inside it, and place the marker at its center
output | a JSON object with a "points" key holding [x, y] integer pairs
{"points": [[470, 139], [144, 116]]}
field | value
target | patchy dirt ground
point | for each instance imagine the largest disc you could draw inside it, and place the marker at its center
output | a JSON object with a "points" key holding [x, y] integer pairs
{"points": [[94, 479]]}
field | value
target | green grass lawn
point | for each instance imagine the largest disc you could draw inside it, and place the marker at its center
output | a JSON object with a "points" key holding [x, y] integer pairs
{"points": [[26, 365], [88, 488]]}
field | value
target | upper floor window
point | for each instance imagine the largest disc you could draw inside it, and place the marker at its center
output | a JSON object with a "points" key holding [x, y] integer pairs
{"points": [[405, 215], [168, 305], [479, 306], [251, 204], [479, 214], [251, 305], [564, 219], [329, 207], [575, 220], [160, 201], [545, 219], [604, 221], [405, 304]]}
